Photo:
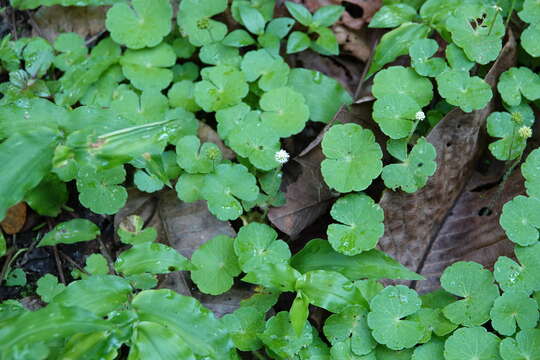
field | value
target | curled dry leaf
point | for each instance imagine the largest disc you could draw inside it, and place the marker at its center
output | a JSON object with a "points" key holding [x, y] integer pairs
{"points": [[51, 21], [414, 221], [15, 219]]}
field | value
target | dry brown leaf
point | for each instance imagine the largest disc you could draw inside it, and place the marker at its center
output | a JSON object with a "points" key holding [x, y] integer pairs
{"points": [[357, 12], [51, 21], [413, 221], [184, 226], [15, 219], [353, 43]]}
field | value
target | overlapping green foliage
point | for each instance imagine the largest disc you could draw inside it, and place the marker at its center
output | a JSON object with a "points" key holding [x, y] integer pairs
{"points": [[136, 101]]}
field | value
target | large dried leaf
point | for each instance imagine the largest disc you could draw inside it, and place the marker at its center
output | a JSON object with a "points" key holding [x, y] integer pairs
{"points": [[414, 221], [184, 226], [15, 219], [49, 22]]}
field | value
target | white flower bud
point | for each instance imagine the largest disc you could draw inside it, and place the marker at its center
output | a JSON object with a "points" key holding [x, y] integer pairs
{"points": [[525, 132], [281, 156], [420, 116]]}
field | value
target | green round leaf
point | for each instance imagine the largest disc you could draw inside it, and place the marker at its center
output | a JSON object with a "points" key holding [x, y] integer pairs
{"points": [[473, 343], [181, 95], [478, 30], [511, 309], [280, 337], [512, 276], [520, 220], [529, 39], [531, 172], [413, 172], [402, 81], [99, 190], [256, 141], [149, 107], [362, 224], [350, 324], [324, 95], [196, 158], [526, 345], [244, 325], [223, 188], [507, 127], [396, 115], [222, 86], [474, 284], [146, 68], [517, 82], [272, 72], [256, 244], [388, 317], [194, 19], [421, 52], [353, 158], [48, 287], [215, 265], [459, 89], [143, 24], [434, 349], [284, 110]]}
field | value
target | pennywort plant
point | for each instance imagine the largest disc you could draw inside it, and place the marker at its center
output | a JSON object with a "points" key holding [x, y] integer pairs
{"points": [[135, 104]]}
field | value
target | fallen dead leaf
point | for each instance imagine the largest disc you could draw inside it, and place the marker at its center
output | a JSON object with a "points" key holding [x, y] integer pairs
{"points": [[50, 21], [15, 219], [184, 226], [413, 221]]}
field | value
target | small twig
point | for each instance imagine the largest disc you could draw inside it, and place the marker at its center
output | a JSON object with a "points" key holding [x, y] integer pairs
{"points": [[7, 263], [73, 262], [106, 254], [59, 265], [13, 25], [94, 38], [34, 24]]}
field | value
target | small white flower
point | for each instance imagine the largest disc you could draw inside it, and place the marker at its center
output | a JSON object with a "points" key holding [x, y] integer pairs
{"points": [[497, 8], [281, 156], [420, 116], [525, 132]]}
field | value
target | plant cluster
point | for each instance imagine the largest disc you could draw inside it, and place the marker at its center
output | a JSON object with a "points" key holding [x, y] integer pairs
{"points": [[135, 101]]}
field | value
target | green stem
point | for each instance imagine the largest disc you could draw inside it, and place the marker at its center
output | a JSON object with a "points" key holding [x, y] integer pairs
{"points": [[510, 14]]}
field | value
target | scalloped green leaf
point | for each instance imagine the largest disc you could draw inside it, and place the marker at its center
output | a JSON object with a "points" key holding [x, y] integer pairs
{"points": [[516, 83], [195, 21], [244, 325], [148, 107], [284, 110], [514, 309], [473, 343], [222, 86], [474, 284], [530, 170], [413, 173], [216, 265], [509, 128], [100, 190], [279, 336], [421, 52], [353, 158], [478, 29], [520, 219], [271, 72], [526, 345], [223, 188], [256, 244], [197, 158], [350, 324], [388, 317], [361, 224], [458, 88], [147, 68], [521, 276], [143, 24]]}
